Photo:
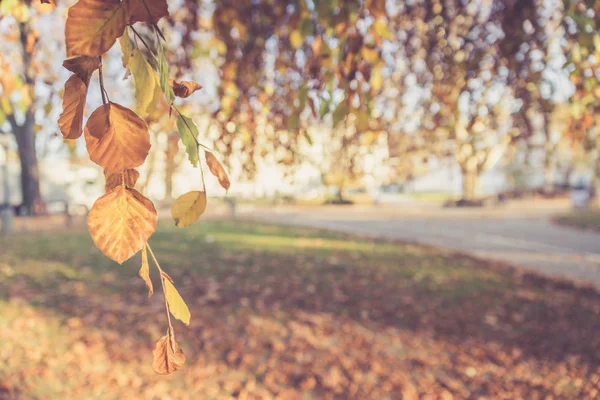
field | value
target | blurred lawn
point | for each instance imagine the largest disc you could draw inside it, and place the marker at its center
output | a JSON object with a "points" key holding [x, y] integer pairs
{"points": [[581, 219], [288, 313]]}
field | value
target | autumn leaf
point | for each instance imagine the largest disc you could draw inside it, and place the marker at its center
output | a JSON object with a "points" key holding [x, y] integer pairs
{"points": [[145, 271], [188, 208], [163, 72], [139, 12], [217, 169], [188, 131], [185, 89], [145, 81], [168, 356], [176, 304], [93, 26], [127, 177], [116, 138], [71, 118], [82, 66], [120, 223], [126, 49]]}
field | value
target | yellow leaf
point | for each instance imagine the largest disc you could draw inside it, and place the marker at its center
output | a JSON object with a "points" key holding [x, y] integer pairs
{"points": [[139, 12], [5, 105], [188, 208], [176, 304], [217, 170], [120, 223], [168, 356], [116, 138], [185, 89], [125, 43], [93, 26], [145, 81], [145, 271], [71, 119], [128, 177]]}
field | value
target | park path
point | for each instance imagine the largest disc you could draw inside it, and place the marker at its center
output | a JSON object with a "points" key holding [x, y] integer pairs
{"points": [[521, 236]]}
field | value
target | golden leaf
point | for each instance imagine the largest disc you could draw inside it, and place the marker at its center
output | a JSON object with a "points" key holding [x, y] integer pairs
{"points": [[113, 179], [71, 119], [145, 271], [125, 43], [82, 66], [93, 26], [185, 89], [139, 12], [145, 81], [177, 306], [217, 169], [116, 138], [188, 208], [120, 223], [168, 356]]}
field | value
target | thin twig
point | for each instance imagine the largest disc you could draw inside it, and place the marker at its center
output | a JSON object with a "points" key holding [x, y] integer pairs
{"points": [[142, 39], [101, 79], [154, 25], [162, 283]]}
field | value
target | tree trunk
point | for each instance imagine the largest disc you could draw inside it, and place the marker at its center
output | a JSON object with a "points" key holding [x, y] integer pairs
{"points": [[171, 164], [470, 178], [30, 175]]}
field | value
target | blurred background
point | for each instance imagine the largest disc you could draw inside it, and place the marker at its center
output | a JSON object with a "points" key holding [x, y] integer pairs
{"points": [[413, 210]]}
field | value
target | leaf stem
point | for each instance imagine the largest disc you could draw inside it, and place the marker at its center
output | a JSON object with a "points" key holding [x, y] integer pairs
{"points": [[142, 39], [162, 283], [101, 79]]}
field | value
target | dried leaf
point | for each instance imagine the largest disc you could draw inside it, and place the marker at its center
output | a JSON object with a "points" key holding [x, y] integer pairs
{"points": [[145, 271], [188, 208], [116, 138], [168, 356], [185, 89], [139, 12], [93, 26], [177, 306], [82, 66], [120, 223], [217, 170], [71, 119], [163, 273], [128, 177], [188, 131], [145, 81]]}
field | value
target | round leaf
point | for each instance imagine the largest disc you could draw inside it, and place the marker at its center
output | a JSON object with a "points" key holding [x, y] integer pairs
{"points": [[188, 208], [120, 223], [116, 138]]}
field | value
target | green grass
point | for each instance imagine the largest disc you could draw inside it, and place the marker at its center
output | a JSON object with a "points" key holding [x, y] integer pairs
{"points": [[285, 312], [581, 219]]}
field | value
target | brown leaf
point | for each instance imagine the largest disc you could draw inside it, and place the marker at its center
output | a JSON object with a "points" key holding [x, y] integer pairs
{"points": [[116, 138], [82, 66], [185, 88], [71, 119], [163, 273], [217, 169], [113, 179], [120, 223], [168, 356], [139, 12], [145, 271], [93, 26]]}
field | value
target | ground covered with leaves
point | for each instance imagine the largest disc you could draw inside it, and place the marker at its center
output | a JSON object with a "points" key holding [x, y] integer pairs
{"points": [[581, 219], [289, 313]]}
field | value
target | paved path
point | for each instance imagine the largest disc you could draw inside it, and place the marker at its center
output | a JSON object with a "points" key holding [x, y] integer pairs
{"points": [[522, 237]]}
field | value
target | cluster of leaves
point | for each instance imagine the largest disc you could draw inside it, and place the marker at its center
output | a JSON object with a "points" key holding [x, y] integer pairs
{"points": [[117, 139]]}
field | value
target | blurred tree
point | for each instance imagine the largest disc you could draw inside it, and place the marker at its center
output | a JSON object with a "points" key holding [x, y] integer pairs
{"points": [[25, 67]]}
